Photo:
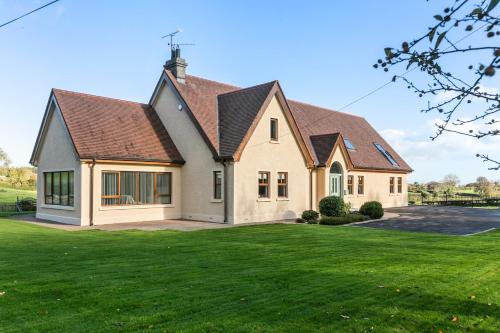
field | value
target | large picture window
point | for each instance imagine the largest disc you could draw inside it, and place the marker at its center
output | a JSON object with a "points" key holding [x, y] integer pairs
{"points": [[59, 188], [135, 188]]}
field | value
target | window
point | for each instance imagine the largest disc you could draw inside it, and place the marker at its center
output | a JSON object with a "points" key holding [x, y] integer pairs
{"points": [[391, 185], [282, 184], [264, 184], [349, 144], [400, 184], [163, 185], [350, 184], [361, 185], [274, 129], [135, 188], [386, 154], [59, 188], [218, 185]]}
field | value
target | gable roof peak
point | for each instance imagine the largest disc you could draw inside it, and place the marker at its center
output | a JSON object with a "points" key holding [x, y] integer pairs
{"points": [[248, 89]]}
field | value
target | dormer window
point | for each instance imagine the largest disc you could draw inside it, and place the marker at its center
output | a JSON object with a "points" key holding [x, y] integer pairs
{"points": [[386, 154], [274, 129], [348, 144]]}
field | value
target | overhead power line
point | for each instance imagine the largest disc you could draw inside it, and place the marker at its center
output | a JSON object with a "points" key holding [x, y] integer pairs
{"points": [[372, 91], [28, 13]]}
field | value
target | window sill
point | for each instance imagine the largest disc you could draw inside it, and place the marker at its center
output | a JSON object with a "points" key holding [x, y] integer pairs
{"points": [[216, 200], [282, 199], [136, 207], [57, 207], [264, 200], [274, 141]]}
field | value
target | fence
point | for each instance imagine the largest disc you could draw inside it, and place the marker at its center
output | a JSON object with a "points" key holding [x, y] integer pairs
{"points": [[21, 205], [453, 199]]}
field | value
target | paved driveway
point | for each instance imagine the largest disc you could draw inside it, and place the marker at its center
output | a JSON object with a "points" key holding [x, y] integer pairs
{"points": [[446, 220]]}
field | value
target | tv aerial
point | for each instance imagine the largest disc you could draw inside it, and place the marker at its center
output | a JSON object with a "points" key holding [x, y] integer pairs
{"points": [[173, 45]]}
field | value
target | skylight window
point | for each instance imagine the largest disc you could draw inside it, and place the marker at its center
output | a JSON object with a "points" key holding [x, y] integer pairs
{"points": [[386, 154], [349, 144]]}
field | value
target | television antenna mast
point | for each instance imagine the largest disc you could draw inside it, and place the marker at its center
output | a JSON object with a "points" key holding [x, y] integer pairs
{"points": [[173, 45]]}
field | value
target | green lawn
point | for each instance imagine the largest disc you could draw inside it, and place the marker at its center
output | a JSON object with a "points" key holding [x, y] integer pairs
{"points": [[286, 278], [9, 195]]}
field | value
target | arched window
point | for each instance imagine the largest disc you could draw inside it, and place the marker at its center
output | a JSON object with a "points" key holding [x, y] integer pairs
{"points": [[336, 168]]}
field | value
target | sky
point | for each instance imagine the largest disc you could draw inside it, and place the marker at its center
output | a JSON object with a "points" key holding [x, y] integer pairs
{"points": [[322, 53]]}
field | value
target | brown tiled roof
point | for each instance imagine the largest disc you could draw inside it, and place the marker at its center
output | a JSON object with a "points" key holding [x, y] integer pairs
{"points": [[107, 128], [202, 97], [314, 120], [323, 146], [237, 112]]}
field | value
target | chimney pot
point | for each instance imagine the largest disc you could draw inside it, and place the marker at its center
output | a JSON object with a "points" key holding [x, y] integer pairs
{"points": [[177, 65]]}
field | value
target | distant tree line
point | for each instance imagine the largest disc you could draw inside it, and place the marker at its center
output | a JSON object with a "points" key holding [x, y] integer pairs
{"points": [[450, 185], [17, 177]]}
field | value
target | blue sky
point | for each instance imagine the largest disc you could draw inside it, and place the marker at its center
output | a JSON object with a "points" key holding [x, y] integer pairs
{"points": [[321, 52]]}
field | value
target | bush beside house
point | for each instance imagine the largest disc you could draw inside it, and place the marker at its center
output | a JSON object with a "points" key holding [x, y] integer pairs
{"points": [[372, 209], [334, 211], [332, 206]]}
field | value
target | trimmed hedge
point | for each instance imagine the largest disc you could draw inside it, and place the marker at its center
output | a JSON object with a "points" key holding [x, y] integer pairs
{"points": [[299, 220], [331, 206], [310, 215], [372, 209], [338, 220]]}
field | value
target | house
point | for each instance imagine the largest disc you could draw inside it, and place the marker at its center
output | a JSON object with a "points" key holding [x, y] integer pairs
{"points": [[208, 151]]}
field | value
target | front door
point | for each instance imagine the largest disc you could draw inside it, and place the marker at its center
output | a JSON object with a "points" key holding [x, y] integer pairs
{"points": [[335, 184]]}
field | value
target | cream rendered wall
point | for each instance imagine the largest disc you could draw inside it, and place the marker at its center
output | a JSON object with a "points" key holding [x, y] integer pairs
{"points": [[376, 186], [197, 173], [57, 154], [260, 154], [131, 213]]}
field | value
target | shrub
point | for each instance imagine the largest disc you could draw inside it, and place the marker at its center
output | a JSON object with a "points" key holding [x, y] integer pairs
{"points": [[347, 208], [338, 220], [299, 220], [373, 209], [331, 206], [310, 215]]}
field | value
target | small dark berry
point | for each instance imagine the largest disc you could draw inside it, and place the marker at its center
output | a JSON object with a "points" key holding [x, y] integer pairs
{"points": [[489, 71]]}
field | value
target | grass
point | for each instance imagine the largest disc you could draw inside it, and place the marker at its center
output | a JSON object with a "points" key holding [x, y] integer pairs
{"points": [[9, 195], [284, 278]]}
